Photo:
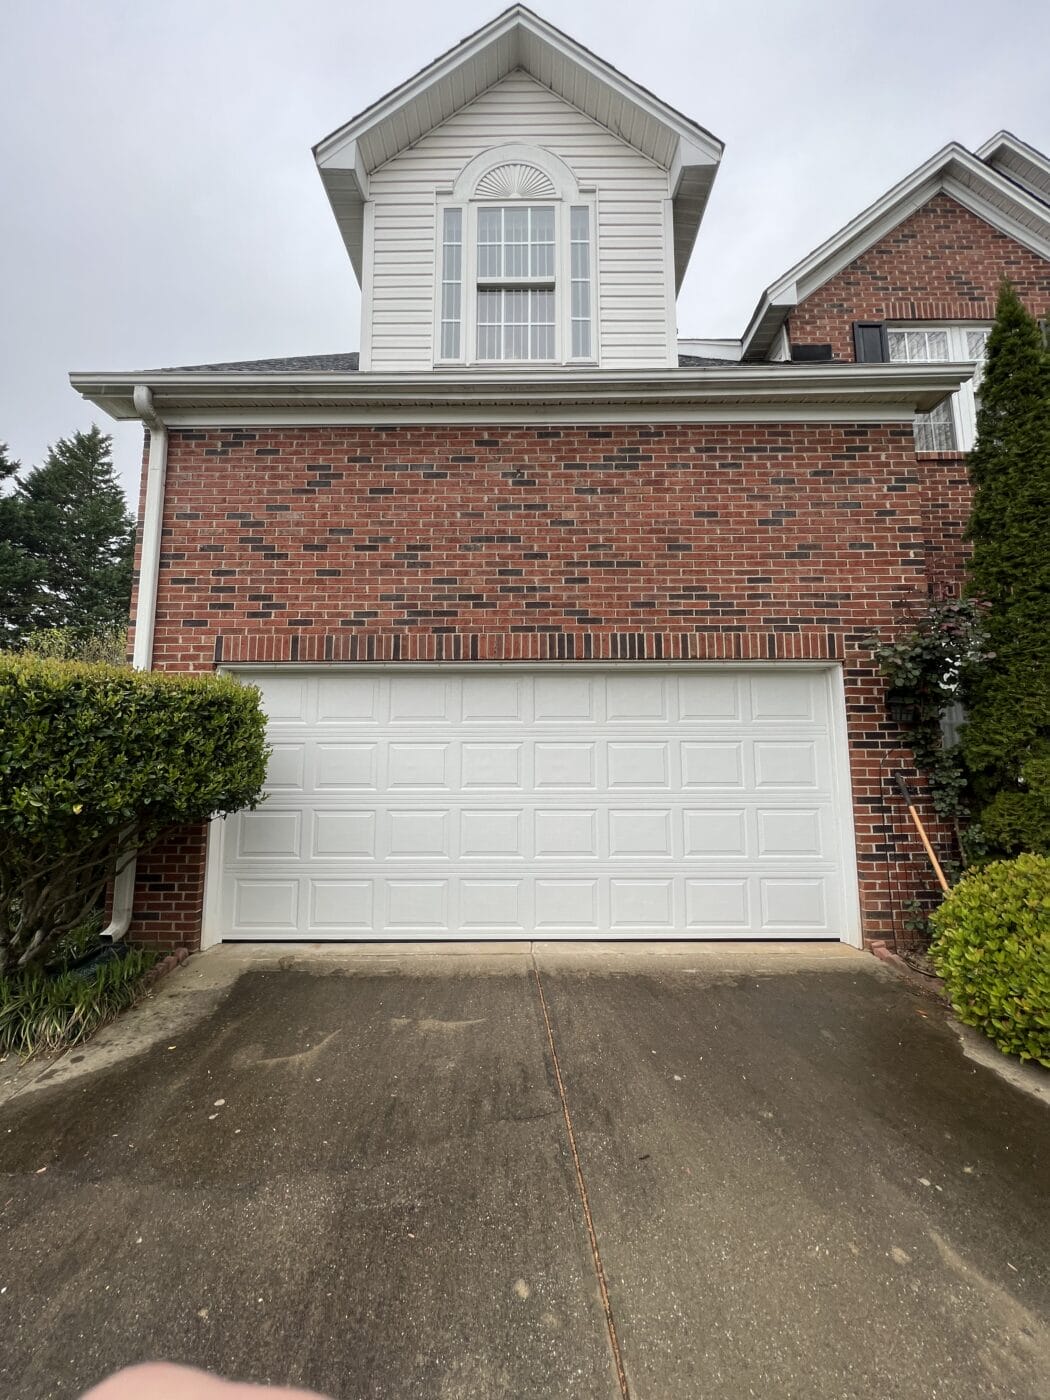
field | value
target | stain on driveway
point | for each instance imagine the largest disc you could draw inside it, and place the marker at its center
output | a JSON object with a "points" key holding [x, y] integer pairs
{"points": [[352, 1172]]}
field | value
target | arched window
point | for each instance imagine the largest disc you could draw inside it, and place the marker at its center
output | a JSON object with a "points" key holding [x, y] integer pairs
{"points": [[516, 263]]}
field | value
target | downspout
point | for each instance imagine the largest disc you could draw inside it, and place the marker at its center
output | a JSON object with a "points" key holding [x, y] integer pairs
{"points": [[145, 617]]}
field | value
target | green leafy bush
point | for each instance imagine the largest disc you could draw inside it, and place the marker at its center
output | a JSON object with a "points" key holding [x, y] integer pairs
{"points": [[97, 762], [992, 947], [109, 644], [40, 1011]]}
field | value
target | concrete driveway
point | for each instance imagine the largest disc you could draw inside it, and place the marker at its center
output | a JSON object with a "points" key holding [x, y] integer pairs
{"points": [[662, 1172]]}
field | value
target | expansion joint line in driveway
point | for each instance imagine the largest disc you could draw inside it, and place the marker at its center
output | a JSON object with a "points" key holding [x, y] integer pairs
{"points": [[581, 1186]]}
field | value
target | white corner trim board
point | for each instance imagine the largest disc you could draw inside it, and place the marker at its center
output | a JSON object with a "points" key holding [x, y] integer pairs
{"points": [[556, 801]]}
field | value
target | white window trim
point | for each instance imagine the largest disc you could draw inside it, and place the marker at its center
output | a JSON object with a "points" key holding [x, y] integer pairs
{"points": [[963, 403], [567, 194]]}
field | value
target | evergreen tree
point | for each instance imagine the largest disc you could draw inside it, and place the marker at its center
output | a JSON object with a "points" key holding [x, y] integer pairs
{"points": [[79, 535], [19, 574], [1006, 741]]}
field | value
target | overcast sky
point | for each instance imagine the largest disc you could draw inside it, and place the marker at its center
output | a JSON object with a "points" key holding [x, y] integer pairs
{"points": [[159, 204]]}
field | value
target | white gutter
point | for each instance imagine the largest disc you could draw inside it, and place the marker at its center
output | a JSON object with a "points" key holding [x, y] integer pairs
{"points": [[906, 387], [145, 618]]}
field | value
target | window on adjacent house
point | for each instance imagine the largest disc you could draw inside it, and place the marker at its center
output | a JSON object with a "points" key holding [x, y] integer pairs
{"points": [[952, 425], [516, 283]]}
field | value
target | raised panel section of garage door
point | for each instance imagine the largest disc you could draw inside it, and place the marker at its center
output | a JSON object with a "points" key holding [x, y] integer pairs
{"points": [[575, 804]]}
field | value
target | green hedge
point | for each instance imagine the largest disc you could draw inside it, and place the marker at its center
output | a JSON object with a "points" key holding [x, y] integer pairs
{"points": [[992, 947], [98, 761]]}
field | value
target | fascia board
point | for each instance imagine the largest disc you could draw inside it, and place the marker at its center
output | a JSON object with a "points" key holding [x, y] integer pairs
{"points": [[332, 144], [869, 225], [707, 148], [918, 386], [1006, 140], [766, 320]]}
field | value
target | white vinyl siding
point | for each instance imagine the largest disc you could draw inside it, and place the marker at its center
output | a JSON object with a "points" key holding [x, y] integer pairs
{"points": [[632, 321]]}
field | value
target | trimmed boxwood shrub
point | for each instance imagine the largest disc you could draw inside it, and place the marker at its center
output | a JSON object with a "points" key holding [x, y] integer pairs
{"points": [[992, 947], [97, 762]]}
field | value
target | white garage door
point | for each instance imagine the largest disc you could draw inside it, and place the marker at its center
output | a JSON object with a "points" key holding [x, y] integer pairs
{"points": [[561, 803]]}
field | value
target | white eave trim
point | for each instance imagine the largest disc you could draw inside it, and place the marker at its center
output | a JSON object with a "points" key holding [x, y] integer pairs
{"points": [[702, 144], [950, 171], [885, 392]]}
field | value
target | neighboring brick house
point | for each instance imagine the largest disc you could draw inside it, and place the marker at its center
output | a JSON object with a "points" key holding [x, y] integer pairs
{"points": [[559, 621]]}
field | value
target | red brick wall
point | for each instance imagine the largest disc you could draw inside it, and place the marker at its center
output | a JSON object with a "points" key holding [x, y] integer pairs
{"points": [[747, 542], [941, 264], [169, 891]]}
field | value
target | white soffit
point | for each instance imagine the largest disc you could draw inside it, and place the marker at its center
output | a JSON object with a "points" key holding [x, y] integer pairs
{"points": [[519, 39], [1018, 161], [954, 171]]}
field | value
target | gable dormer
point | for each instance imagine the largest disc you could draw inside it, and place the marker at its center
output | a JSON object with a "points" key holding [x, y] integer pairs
{"points": [[519, 205]]}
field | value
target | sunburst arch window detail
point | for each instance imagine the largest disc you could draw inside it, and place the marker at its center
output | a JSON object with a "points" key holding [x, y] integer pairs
{"points": [[515, 180], [516, 263]]}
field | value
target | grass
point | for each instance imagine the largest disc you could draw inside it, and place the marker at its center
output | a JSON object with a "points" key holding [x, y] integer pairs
{"points": [[52, 1008]]}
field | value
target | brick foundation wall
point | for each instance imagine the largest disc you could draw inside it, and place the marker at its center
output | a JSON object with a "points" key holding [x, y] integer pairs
{"points": [[736, 542], [940, 264], [169, 891]]}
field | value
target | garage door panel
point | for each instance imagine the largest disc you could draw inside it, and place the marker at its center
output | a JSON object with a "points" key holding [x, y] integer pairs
{"points": [[712, 764], [642, 905], [717, 904], [416, 905], [491, 833], [350, 700], [265, 906], [786, 765], [346, 766], [348, 834], [565, 700], [566, 833], [708, 698], [639, 765], [790, 695], [646, 832], [498, 700], [492, 766], [567, 905], [268, 833], [715, 833], [496, 905], [287, 768], [419, 765], [565, 767], [793, 903], [342, 906], [570, 804], [422, 700], [633, 698], [790, 831]]}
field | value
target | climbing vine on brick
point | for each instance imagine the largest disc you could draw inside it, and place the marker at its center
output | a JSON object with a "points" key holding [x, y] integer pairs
{"points": [[925, 668]]}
